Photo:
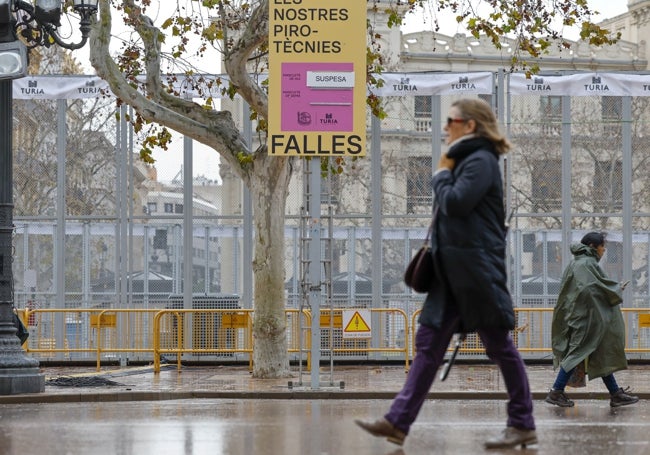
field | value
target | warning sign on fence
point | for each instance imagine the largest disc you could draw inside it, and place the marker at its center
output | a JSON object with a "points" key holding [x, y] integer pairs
{"points": [[356, 324]]}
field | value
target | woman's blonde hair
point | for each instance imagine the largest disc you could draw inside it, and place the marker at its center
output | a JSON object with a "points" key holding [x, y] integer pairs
{"points": [[486, 122]]}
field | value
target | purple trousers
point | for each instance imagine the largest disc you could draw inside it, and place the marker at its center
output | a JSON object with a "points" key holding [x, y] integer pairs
{"points": [[431, 344]]}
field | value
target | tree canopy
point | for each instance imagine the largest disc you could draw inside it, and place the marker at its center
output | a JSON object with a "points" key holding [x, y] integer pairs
{"points": [[535, 25]]}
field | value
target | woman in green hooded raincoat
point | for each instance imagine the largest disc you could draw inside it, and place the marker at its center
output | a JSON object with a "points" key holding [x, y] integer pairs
{"points": [[588, 329]]}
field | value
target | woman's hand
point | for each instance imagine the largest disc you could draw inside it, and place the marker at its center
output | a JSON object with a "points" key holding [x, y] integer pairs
{"points": [[446, 163]]}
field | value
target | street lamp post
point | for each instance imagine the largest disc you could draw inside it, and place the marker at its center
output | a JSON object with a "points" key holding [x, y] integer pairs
{"points": [[23, 26]]}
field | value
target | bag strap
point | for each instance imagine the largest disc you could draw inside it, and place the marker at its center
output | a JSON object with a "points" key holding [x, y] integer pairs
{"points": [[433, 221]]}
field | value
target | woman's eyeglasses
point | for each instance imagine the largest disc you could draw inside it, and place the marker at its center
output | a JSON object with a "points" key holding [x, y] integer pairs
{"points": [[455, 120]]}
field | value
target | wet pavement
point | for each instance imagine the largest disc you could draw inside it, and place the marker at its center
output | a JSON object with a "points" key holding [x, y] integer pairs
{"points": [[222, 410], [307, 427]]}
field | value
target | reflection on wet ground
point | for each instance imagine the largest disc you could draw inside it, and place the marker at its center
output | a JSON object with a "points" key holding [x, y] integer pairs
{"points": [[308, 427], [223, 410], [360, 381]]}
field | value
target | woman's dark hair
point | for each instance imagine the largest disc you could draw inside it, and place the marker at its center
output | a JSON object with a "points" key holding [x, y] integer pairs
{"points": [[594, 239]]}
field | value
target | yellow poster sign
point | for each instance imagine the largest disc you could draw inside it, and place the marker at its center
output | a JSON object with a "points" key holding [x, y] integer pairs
{"points": [[317, 78]]}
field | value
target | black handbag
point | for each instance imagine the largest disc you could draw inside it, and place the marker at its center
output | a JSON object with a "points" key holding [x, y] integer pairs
{"points": [[419, 274]]}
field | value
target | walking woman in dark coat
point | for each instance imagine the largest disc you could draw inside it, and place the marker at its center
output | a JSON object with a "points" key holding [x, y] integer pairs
{"points": [[469, 292]]}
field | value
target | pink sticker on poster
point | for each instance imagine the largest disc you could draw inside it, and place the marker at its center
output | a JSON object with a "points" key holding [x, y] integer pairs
{"points": [[317, 96]]}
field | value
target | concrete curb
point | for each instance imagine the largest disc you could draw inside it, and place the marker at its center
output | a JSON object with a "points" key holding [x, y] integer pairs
{"points": [[115, 396]]}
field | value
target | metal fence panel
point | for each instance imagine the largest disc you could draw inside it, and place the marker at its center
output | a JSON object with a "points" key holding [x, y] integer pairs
{"points": [[578, 164]]}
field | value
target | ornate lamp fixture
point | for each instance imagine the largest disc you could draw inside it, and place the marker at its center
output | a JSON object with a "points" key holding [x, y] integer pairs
{"points": [[38, 24]]}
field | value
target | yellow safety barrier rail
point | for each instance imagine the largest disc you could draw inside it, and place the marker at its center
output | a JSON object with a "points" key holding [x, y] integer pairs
{"points": [[638, 321], [298, 339], [333, 336], [532, 332], [213, 331], [96, 331], [388, 317], [109, 334]]}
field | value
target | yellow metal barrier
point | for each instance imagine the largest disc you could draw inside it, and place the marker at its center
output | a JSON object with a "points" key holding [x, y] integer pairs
{"points": [[332, 334], [97, 333], [335, 336], [532, 325], [298, 339], [214, 331], [637, 319], [533, 331], [89, 331], [341, 345]]}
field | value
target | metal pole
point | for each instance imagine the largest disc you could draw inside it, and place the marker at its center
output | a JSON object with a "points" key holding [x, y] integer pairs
{"points": [[567, 237], [315, 268], [247, 249], [18, 373], [626, 130], [124, 197], [188, 239], [188, 223], [376, 223], [59, 237]]}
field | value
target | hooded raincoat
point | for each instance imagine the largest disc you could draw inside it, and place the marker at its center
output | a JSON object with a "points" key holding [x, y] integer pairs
{"points": [[587, 319]]}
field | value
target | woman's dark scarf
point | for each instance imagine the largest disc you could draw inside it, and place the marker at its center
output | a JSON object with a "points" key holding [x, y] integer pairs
{"points": [[464, 148]]}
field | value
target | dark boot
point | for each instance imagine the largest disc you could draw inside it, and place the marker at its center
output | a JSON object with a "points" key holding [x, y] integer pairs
{"points": [[622, 398], [559, 398], [382, 428]]}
